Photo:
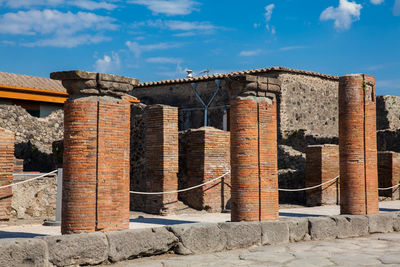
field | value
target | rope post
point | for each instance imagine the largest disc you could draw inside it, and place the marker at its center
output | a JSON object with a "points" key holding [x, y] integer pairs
{"points": [[57, 222]]}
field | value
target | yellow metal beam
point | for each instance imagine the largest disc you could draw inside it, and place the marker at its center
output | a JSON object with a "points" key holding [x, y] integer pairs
{"points": [[32, 94]]}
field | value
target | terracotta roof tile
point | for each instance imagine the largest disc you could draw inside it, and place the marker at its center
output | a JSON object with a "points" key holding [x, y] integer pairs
{"points": [[238, 73], [27, 81]]}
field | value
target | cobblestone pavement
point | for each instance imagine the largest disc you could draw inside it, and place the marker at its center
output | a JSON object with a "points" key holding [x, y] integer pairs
{"points": [[374, 250]]}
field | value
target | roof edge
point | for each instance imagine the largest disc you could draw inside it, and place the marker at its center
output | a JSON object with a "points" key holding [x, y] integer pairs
{"points": [[239, 73]]}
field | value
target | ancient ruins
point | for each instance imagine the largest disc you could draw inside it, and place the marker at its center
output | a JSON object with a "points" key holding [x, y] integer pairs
{"points": [[243, 135]]}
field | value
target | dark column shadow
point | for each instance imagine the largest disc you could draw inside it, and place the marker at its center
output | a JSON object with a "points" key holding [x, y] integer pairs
{"points": [[159, 221], [4, 234]]}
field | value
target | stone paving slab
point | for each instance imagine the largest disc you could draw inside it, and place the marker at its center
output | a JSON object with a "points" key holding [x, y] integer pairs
{"points": [[142, 220], [374, 250]]}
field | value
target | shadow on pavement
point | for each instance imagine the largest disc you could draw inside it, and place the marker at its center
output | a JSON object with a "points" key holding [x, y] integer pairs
{"points": [[141, 219], [289, 214], [4, 234]]}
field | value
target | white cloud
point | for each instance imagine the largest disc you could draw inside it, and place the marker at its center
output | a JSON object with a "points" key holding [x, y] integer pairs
{"points": [[396, 8], [164, 60], [192, 27], [55, 28], [343, 15], [377, 2], [137, 49], [69, 41], [168, 7], [92, 5], [267, 15], [294, 47], [388, 84], [83, 4], [52, 21], [250, 53], [108, 64], [268, 12]]}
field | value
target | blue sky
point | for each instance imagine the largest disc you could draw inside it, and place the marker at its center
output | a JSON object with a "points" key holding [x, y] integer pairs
{"points": [[160, 39]]}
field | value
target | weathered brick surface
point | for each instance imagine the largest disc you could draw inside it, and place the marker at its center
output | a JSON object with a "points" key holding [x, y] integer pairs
{"points": [[113, 166], [96, 166], [207, 157], [322, 165], [389, 173], [254, 159], [357, 145], [161, 156], [6, 171]]}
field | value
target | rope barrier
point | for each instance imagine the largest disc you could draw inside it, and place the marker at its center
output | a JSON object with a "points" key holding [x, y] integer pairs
{"points": [[308, 188], [182, 190], [387, 188], [197, 186], [28, 180]]}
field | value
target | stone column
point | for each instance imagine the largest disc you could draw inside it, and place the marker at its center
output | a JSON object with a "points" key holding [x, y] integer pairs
{"points": [[96, 152], [6, 171], [389, 174], [254, 165], [322, 165], [357, 145], [161, 158]]}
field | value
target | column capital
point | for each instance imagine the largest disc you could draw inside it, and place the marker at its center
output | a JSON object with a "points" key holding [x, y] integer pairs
{"points": [[84, 83], [252, 85]]}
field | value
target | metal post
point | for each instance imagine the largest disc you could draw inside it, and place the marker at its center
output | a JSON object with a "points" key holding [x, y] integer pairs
{"points": [[57, 222], [59, 194]]}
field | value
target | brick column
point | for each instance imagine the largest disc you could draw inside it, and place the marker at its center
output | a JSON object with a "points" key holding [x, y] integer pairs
{"points": [[6, 171], [96, 152], [357, 145], [322, 165], [253, 123], [389, 174], [207, 157], [161, 157]]}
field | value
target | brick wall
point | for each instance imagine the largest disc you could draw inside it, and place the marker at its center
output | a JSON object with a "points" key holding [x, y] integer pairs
{"points": [[357, 145], [322, 165], [96, 166], [254, 159], [389, 174], [161, 157], [207, 157], [6, 171]]}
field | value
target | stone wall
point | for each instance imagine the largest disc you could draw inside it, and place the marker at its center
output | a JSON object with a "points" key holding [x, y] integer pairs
{"points": [[33, 136], [388, 112], [34, 199]]}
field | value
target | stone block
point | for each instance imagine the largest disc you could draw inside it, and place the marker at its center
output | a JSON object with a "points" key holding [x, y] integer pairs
{"points": [[351, 225], [298, 229], [77, 249], [199, 238], [73, 75], [380, 223], [23, 252], [241, 234], [121, 87], [273, 233], [322, 228], [396, 222], [129, 244]]}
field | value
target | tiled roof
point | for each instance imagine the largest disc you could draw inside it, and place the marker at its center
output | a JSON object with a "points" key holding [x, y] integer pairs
{"points": [[26, 81], [233, 74]]}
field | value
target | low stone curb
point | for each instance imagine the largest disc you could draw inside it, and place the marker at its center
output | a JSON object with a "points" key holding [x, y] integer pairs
{"points": [[195, 238]]}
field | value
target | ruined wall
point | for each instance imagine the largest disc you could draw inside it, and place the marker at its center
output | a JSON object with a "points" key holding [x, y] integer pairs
{"points": [[33, 136], [388, 112], [34, 199], [182, 96]]}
